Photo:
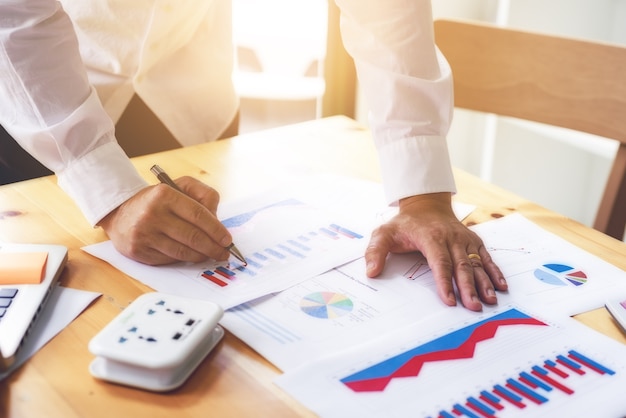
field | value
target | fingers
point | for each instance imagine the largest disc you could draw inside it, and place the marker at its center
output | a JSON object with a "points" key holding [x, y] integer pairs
{"points": [[189, 231], [200, 192], [472, 282], [182, 245], [477, 277], [456, 255], [493, 271], [376, 253], [443, 272], [160, 225]]}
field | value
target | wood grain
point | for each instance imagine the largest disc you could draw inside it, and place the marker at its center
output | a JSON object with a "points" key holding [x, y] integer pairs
{"points": [[234, 381]]}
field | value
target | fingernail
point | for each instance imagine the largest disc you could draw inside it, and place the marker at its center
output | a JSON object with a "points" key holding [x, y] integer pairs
{"points": [[491, 292], [370, 266], [451, 298]]}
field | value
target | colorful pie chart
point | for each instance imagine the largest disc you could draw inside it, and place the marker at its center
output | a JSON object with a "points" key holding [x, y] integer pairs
{"points": [[326, 305], [560, 275]]}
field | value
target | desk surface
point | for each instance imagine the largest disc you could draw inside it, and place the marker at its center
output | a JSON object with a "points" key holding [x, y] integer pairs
{"points": [[234, 380]]}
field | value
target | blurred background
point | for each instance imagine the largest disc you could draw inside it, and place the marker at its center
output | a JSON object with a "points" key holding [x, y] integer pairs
{"points": [[291, 67]]}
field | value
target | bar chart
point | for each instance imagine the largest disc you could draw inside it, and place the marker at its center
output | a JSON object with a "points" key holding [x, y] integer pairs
{"points": [[286, 236], [534, 386], [508, 362], [283, 253], [284, 240]]}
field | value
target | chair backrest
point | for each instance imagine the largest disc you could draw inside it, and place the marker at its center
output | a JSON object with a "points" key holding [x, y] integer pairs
{"points": [[569, 83]]}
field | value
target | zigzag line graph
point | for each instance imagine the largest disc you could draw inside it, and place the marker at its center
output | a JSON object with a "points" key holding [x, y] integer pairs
{"points": [[460, 344]]}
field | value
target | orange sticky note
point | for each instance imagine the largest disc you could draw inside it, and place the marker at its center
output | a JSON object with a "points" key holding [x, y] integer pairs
{"points": [[22, 268]]}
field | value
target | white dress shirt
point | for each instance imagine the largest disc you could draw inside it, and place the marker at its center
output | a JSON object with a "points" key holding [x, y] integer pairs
{"points": [[69, 71]]}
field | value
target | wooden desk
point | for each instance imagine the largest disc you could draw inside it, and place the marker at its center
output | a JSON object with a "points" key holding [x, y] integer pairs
{"points": [[234, 381]]}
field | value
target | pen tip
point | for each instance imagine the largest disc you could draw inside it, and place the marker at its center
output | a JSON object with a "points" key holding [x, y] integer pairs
{"points": [[235, 251]]}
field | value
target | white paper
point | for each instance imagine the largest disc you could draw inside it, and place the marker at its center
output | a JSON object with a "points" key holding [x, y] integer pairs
{"points": [[546, 271], [63, 306], [444, 365], [333, 311], [287, 235], [343, 307]]}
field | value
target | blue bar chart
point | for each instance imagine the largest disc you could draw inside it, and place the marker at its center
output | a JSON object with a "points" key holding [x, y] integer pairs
{"points": [[290, 250]]}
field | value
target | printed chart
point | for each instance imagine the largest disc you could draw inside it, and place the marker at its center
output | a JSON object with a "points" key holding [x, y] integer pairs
{"points": [[326, 305], [560, 275], [286, 249], [283, 242], [535, 386], [505, 363], [284, 238], [544, 270], [405, 293], [331, 312], [460, 344]]}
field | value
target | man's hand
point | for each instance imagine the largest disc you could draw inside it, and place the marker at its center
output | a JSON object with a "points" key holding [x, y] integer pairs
{"points": [[426, 223], [160, 225]]}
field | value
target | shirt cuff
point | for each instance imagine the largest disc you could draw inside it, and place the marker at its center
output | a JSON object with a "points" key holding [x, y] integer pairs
{"points": [[100, 181], [415, 166]]}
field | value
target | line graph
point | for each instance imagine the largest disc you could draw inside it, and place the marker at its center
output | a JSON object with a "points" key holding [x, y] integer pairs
{"points": [[418, 269], [459, 344]]}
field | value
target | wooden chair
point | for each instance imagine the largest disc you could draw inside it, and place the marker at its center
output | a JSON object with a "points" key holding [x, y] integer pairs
{"points": [[569, 83]]}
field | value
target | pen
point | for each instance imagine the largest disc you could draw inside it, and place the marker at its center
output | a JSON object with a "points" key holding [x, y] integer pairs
{"points": [[166, 179]]}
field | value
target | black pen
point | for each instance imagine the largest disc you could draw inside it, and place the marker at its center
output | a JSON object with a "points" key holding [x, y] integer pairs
{"points": [[165, 179]]}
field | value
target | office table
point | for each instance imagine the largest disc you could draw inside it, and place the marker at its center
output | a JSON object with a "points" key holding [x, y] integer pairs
{"points": [[233, 381]]}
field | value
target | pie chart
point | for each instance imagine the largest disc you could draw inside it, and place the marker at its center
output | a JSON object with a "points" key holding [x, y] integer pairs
{"points": [[560, 275], [326, 305]]}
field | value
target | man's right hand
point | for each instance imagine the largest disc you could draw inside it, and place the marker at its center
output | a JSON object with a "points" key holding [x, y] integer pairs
{"points": [[160, 225]]}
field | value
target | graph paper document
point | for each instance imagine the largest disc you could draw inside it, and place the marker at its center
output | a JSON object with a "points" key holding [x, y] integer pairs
{"points": [[506, 362], [287, 235]]}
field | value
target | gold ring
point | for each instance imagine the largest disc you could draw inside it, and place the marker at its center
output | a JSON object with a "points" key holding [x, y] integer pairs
{"points": [[473, 256]]}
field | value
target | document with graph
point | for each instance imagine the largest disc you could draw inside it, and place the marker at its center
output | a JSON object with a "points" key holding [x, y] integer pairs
{"points": [[505, 362], [343, 307], [544, 270], [287, 235], [333, 311]]}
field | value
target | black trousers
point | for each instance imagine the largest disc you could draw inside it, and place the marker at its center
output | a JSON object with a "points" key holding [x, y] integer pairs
{"points": [[15, 163], [139, 131]]}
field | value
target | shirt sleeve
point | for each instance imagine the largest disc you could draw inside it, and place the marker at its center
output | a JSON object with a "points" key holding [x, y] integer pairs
{"points": [[407, 85], [53, 113]]}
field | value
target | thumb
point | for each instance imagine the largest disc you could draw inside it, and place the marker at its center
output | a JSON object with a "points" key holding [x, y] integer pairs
{"points": [[376, 254]]}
